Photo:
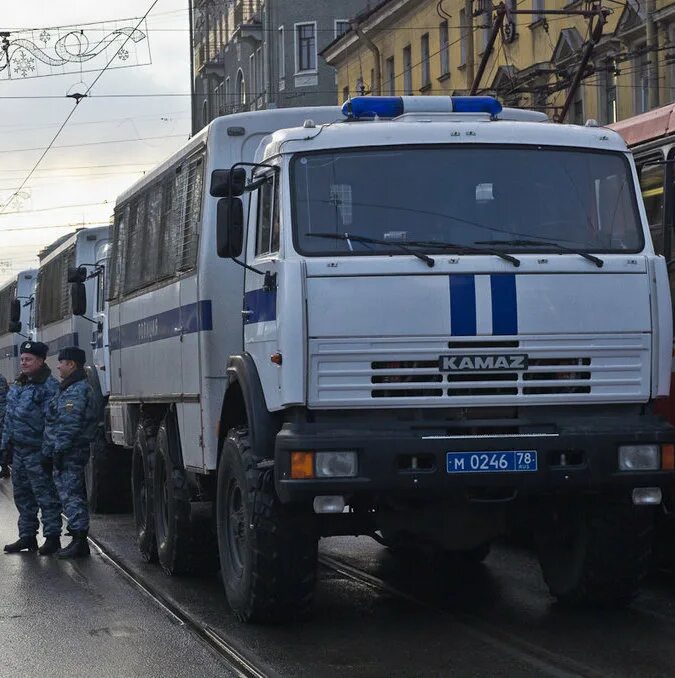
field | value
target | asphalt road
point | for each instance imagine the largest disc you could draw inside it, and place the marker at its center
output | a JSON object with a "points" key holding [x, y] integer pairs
{"points": [[374, 615], [83, 618], [415, 619]]}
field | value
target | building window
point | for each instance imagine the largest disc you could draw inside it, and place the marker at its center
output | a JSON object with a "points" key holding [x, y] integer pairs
{"points": [[642, 81], [260, 78], [372, 83], [391, 77], [444, 52], [424, 61], [464, 28], [205, 113], [607, 107], [341, 27], [407, 70], [281, 53], [578, 109], [228, 101], [305, 47], [252, 76]]}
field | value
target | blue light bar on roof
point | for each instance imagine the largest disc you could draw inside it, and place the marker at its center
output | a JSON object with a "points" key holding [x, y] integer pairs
{"points": [[392, 107]]}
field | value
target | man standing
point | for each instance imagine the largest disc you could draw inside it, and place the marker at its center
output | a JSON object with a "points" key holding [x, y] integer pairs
{"points": [[72, 421], [27, 403], [4, 463]]}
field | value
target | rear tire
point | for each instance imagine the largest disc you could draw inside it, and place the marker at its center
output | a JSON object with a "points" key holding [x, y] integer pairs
{"points": [[107, 478], [595, 552], [185, 543], [142, 465], [268, 558]]}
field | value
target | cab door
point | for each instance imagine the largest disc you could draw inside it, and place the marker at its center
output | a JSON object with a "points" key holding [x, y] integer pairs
{"points": [[657, 184], [260, 309]]}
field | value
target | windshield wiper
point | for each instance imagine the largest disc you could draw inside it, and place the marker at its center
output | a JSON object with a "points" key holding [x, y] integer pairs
{"points": [[540, 243], [348, 237], [466, 249]]}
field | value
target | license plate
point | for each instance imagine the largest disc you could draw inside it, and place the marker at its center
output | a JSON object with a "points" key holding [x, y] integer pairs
{"points": [[492, 462]]}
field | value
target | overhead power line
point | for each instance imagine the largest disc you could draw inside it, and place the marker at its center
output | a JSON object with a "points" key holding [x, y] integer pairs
{"points": [[96, 143], [4, 207]]}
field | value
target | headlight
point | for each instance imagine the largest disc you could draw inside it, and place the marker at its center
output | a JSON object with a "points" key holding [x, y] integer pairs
{"points": [[639, 457], [335, 464]]}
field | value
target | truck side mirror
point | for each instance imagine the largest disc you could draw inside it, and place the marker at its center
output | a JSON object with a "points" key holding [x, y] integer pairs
{"points": [[77, 274], [78, 298], [15, 310], [230, 228], [228, 183], [14, 326]]}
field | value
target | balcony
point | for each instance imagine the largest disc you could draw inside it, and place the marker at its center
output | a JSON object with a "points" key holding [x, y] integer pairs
{"points": [[247, 20]]}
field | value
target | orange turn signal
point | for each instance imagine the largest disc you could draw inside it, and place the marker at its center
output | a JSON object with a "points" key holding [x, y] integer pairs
{"points": [[668, 457], [302, 465]]}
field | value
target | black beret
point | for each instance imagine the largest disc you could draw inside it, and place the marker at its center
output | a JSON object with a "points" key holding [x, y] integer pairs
{"points": [[35, 348], [72, 353]]}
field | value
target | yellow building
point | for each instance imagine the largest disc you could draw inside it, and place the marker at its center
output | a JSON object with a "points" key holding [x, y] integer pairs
{"points": [[431, 47]]}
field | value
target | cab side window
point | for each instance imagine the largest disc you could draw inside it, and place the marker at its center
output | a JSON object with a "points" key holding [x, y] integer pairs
{"points": [[652, 184], [267, 230]]}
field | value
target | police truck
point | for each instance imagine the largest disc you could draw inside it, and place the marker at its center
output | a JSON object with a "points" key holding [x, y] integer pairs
{"points": [[423, 319], [70, 311]]}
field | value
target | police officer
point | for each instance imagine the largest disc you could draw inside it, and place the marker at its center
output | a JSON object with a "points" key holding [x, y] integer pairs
{"points": [[4, 463], [22, 433], [72, 421]]}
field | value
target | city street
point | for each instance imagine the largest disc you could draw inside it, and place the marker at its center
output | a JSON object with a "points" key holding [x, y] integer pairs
{"points": [[81, 618], [373, 616]]}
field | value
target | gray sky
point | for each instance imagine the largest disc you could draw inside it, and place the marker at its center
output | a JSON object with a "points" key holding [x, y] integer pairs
{"points": [[86, 177]]}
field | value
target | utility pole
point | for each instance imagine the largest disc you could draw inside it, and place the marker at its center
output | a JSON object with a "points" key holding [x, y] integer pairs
{"points": [[192, 66], [652, 55], [468, 28]]}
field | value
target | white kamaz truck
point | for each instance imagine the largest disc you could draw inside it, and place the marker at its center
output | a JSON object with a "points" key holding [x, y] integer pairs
{"points": [[424, 319], [16, 319]]}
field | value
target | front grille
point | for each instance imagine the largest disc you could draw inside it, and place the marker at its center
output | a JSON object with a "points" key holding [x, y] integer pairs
{"points": [[406, 372]]}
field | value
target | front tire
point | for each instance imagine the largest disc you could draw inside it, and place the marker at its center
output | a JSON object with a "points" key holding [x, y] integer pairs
{"points": [[595, 552], [142, 463], [268, 559]]}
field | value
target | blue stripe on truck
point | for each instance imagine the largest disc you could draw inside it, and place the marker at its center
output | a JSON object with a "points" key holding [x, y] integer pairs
{"points": [[197, 317], [462, 305], [504, 304]]}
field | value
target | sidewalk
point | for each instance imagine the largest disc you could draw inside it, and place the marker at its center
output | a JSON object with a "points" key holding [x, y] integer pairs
{"points": [[82, 618]]}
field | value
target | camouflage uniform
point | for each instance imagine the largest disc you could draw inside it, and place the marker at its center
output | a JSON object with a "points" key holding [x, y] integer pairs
{"points": [[3, 400], [72, 421], [27, 403]]}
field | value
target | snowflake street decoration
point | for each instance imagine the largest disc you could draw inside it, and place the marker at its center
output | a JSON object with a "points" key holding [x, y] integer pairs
{"points": [[69, 49], [23, 64]]}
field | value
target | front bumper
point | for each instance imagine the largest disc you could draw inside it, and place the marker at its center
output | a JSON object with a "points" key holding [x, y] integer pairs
{"points": [[580, 456]]}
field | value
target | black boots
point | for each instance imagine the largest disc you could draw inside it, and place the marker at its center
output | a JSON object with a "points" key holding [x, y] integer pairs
{"points": [[52, 545], [22, 544], [78, 548]]}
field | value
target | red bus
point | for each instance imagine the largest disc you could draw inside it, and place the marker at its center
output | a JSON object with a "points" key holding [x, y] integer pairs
{"points": [[651, 137]]}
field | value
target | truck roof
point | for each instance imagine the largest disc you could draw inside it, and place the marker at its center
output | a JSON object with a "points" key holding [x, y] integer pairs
{"points": [[440, 128]]}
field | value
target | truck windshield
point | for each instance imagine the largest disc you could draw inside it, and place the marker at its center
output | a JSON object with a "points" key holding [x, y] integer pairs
{"points": [[470, 196]]}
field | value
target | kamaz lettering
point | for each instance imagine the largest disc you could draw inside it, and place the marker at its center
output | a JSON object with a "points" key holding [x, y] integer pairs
{"points": [[482, 363]]}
